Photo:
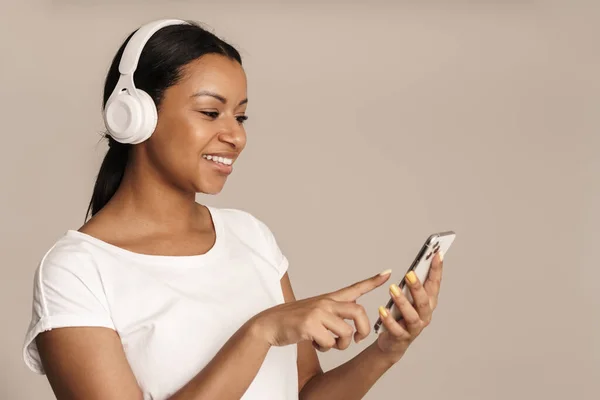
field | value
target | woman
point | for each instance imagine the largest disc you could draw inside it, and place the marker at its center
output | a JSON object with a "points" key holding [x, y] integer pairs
{"points": [[159, 297]]}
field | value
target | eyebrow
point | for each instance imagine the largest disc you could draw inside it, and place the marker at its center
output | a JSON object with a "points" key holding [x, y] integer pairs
{"points": [[216, 96]]}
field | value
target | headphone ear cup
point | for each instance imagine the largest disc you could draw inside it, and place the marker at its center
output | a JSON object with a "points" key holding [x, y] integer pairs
{"points": [[122, 117], [129, 120], [149, 117]]}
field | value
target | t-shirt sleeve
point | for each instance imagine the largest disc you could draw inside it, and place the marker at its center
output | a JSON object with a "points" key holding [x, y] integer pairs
{"points": [[67, 292], [272, 248]]}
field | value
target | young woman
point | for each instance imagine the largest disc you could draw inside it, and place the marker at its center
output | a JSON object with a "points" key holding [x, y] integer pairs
{"points": [[159, 297]]}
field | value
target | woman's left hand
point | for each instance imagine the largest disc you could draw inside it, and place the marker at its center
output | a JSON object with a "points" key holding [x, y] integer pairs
{"points": [[399, 335]]}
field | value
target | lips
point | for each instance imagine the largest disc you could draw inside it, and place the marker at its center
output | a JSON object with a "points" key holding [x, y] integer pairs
{"points": [[220, 164]]}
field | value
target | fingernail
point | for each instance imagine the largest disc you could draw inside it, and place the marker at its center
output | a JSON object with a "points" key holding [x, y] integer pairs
{"points": [[383, 312], [412, 278], [357, 339], [441, 253], [395, 289], [386, 272]]}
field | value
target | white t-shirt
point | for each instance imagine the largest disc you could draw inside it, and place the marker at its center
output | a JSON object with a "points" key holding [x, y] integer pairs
{"points": [[172, 313]]}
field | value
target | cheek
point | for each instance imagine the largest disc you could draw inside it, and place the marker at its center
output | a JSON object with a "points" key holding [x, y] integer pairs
{"points": [[183, 145], [168, 149], [199, 134], [185, 135]]}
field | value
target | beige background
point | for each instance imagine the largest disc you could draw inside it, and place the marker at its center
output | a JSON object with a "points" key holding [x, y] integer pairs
{"points": [[372, 124]]}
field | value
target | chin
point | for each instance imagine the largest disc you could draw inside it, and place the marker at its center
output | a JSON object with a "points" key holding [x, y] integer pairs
{"points": [[212, 188]]}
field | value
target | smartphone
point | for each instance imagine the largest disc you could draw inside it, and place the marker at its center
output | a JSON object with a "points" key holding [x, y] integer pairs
{"points": [[436, 242]]}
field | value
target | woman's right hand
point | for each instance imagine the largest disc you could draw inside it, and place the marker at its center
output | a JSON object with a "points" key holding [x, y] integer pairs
{"points": [[321, 319]]}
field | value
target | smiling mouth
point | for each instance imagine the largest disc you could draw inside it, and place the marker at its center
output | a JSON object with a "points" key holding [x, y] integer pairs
{"points": [[218, 159]]}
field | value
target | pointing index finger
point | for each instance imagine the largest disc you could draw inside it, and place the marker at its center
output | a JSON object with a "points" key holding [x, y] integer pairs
{"points": [[356, 290]]}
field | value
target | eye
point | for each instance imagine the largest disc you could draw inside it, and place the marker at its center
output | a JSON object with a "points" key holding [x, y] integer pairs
{"points": [[241, 119], [210, 114]]}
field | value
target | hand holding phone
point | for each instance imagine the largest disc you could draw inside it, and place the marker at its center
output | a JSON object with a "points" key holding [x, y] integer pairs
{"points": [[421, 265]]}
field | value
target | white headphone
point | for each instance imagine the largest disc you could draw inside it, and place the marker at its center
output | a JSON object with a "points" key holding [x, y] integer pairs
{"points": [[130, 114]]}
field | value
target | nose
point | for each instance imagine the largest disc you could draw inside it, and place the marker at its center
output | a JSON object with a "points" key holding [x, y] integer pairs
{"points": [[233, 134]]}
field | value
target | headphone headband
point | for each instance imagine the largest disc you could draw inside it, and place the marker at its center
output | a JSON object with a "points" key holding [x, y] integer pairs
{"points": [[133, 50]]}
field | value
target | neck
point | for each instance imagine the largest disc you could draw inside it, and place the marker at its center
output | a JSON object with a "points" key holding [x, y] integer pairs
{"points": [[146, 199]]}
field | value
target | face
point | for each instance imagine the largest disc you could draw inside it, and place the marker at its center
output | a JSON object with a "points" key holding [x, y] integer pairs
{"points": [[200, 131]]}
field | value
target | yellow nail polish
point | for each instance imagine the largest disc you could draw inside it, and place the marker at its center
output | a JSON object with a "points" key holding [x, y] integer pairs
{"points": [[386, 272], [395, 289], [412, 278], [383, 312]]}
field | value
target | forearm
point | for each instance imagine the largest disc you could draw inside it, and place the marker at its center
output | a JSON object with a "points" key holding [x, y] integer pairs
{"points": [[230, 372], [351, 380]]}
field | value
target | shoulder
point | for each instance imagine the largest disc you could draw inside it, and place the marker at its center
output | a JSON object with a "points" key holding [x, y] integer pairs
{"points": [[71, 251], [255, 233], [70, 265], [244, 223], [67, 291]]}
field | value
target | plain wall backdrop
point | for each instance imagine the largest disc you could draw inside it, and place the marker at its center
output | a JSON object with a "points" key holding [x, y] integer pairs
{"points": [[372, 124]]}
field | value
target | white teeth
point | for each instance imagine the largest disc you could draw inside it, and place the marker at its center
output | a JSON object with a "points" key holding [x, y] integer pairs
{"points": [[217, 159]]}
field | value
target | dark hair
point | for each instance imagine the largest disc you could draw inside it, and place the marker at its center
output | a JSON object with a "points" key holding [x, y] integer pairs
{"points": [[160, 66]]}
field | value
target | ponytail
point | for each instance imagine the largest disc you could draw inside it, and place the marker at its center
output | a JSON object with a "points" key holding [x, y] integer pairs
{"points": [[110, 175]]}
